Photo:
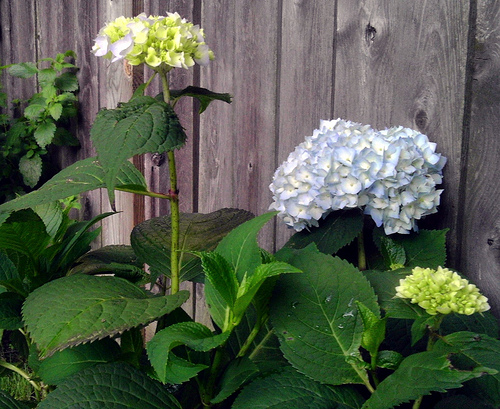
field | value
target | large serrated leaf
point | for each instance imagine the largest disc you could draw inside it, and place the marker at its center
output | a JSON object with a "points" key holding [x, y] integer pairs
{"points": [[142, 125], [77, 309], [290, 389], [31, 169], [334, 232], [77, 178], [237, 373], [9, 276], [197, 231], [192, 334], [419, 374], [316, 318], [110, 386]]}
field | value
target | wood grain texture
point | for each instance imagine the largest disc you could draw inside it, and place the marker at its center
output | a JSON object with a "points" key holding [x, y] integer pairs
{"points": [[17, 44], [306, 77], [480, 245], [403, 63]]}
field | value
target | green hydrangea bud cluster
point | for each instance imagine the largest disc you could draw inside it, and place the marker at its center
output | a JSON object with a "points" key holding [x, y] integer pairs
{"points": [[154, 40], [441, 291]]}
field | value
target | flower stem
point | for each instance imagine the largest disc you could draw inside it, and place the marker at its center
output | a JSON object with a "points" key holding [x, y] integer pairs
{"points": [[361, 252], [174, 199]]}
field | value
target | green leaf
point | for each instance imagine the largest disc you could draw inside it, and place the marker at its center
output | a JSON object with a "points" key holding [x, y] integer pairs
{"points": [[290, 389], [373, 329], [34, 110], [139, 126], [203, 95], [478, 351], [220, 276], [24, 233], [8, 402], [192, 334], [31, 169], [419, 374], [426, 249], [238, 372], [47, 75], [68, 362], [198, 232], [240, 246], [51, 215], [73, 310], [315, 315], [334, 232], [393, 253], [23, 70], [110, 386], [67, 82], [44, 133], [389, 359], [55, 111], [117, 259], [9, 276], [10, 311], [249, 288], [77, 178], [384, 283]]}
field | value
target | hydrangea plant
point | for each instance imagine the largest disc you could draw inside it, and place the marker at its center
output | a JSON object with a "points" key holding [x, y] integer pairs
{"points": [[307, 327]]}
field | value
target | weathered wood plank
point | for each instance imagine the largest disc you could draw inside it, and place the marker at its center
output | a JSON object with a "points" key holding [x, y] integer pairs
{"points": [[306, 76], [17, 44], [480, 239], [403, 63]]}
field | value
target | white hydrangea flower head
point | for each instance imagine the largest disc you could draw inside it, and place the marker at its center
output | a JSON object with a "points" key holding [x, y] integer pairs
{"points": [[441, 291], [392, 174], [169, 41]]}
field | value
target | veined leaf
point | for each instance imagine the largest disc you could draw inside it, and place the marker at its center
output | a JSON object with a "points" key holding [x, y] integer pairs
{"points": [[290, 389], [334, 232], [114, 385], [238, 372], [76, 309], [9, 276], [10, 311], [77, 178], [203, 95], [192, 334], [51, 215], [142, 125], [316, 318], [419, 374], [31, 169], [198, 232], [240, 246]]}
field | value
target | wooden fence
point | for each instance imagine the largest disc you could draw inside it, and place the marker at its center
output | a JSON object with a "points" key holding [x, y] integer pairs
{"points": [[429, 65]]}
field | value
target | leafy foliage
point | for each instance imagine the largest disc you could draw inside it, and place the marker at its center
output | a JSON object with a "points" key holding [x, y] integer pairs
{"points": [[24, 159]]}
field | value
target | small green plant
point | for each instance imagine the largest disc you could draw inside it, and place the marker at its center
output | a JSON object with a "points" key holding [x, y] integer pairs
{"points": [[45, 121], [301, 328]]}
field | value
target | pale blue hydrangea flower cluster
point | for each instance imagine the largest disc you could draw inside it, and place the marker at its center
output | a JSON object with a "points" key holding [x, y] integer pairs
{"points": [[392, 174]]}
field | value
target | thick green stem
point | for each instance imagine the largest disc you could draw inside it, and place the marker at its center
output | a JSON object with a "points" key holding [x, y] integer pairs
{"points": [[433, 336], [174, 199], [255, 331], [214, 371]]}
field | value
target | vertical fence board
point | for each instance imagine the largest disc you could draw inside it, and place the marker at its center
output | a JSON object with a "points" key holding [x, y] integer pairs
{"points": [[306, 76], [403, 63], [17, 44], [480, 247]]}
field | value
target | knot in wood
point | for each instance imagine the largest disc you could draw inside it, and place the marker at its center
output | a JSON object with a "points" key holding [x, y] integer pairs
{"points": [[370, 33], [158, 159]]}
